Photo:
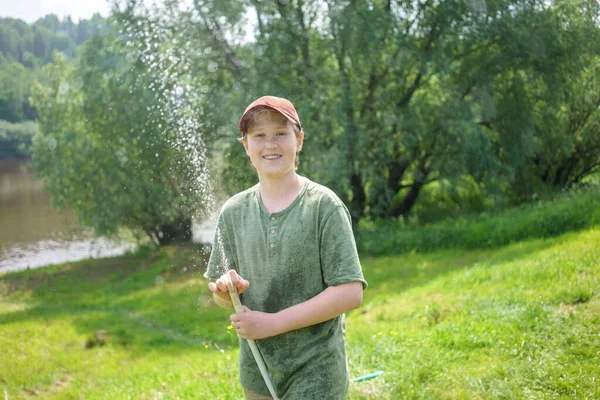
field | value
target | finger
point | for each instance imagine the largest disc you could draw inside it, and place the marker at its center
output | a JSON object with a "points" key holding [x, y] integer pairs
{"points": [[244, 284], [212, 287], [241, 283], [229, 280], [233, 276], [221, 286], [246, 309]]}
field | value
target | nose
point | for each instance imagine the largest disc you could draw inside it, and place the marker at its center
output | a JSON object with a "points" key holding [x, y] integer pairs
{"points": [[271, 141]]}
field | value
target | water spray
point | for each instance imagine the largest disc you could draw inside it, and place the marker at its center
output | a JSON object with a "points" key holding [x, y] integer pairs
{"points": [[237, 304]]}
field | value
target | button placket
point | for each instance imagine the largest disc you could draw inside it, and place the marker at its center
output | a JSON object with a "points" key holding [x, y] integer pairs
{"points": [[273, 230]]}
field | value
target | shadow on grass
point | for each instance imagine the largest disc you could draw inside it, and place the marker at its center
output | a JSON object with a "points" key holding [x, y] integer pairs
{"points": [[402, 272], [160, 299], [154, 299]]}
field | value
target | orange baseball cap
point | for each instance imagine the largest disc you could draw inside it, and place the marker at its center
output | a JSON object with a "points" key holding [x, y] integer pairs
{"points": [[279, 104]]}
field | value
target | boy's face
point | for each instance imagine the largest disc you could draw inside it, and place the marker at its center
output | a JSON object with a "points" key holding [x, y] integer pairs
{"points": [[272, 144]]}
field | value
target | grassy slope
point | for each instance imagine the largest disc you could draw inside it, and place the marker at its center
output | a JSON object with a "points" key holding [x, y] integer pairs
{"points": [[521, 321]]}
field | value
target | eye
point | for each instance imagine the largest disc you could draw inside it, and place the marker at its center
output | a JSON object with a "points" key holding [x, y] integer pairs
{"points": [[281, 133]]}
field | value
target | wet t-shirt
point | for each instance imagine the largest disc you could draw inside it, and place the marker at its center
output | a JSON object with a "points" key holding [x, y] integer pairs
{"points": [[289, 257]]}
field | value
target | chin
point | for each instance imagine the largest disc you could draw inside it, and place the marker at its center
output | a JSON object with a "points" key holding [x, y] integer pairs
{"points": [[275, 174]]}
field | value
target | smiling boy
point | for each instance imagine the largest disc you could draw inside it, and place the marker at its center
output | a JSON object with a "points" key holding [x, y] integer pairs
{"points": [[286, 245]]}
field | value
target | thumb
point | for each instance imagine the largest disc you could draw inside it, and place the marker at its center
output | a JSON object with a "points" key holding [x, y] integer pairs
{"points": [[246, 309]]}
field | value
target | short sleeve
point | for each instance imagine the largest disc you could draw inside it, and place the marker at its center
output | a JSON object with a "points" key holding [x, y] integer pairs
{"points": [[339, 258], [221, 255]]}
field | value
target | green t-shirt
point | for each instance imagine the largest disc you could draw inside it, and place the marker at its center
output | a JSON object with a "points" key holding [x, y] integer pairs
{"points": [[289, 257]]}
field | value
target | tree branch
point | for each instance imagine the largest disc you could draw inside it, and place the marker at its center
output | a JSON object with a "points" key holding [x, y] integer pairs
{"points": [[215, 31]]}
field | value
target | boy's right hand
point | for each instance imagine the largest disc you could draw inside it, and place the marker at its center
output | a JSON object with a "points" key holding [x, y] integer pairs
{"points": [[228, 282]]}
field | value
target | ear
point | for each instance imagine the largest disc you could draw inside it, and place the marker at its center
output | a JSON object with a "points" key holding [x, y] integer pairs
{"points": [[299, 141], [245, 144]]}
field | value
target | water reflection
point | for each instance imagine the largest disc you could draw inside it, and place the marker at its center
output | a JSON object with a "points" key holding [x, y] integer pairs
{"points": [[47, 252], [32, 233], [25, 212]]}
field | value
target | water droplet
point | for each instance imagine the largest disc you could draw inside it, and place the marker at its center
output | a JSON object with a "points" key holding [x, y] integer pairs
{"points": [[131, 57], [212, 66], [63, 89]]}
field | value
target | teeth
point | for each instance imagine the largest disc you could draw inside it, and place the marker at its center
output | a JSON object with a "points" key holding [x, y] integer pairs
{"points": [[271, 157]]}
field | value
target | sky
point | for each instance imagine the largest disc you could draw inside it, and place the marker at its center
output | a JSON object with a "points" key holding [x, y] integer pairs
{"points": [[30, 10]]}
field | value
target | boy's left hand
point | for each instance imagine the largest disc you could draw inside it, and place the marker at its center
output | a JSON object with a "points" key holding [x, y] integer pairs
{"points": [[254, 324]]}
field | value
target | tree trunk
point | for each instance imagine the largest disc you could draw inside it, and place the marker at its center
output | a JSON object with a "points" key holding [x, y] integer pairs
{"points": [[409, 201], [396, 173], [357, 205], [177, 231]]}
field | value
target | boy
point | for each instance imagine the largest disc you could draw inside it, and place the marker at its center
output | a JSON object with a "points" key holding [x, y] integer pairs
{"points": [[286, 245]]}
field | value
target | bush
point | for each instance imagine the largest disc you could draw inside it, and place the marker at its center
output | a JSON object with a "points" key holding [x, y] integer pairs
{"points": [[15, 139], [570, 212]]}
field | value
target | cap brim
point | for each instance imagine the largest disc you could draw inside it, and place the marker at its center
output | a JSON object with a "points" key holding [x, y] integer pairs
{"points": [[250, 113]]}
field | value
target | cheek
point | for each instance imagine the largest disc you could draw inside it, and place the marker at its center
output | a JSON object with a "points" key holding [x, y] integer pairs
{"points": [[246, 148]]}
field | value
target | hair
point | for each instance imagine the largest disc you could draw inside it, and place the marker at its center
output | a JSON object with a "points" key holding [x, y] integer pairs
{"points": [[297, 132]]}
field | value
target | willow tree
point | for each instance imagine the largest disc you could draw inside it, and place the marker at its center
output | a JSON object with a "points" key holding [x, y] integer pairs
{"points": [[106, 144], [399, 95]]}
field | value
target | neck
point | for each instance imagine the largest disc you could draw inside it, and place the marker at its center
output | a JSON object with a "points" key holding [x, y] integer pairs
{"points": [[279, 193], [281, 186]]}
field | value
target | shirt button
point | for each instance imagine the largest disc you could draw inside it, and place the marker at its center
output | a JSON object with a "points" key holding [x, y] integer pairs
{"points": [[272, 230], [272, 218], [272, 244]]}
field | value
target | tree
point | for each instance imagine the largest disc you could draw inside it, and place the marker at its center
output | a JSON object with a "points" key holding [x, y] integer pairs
{"points": [[14, 89], [397, 96], [39, 45], [105, 146], [404, 94], [15, 139]]}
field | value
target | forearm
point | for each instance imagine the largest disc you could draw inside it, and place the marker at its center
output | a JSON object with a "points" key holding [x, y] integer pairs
{"points": [[328, 304]]}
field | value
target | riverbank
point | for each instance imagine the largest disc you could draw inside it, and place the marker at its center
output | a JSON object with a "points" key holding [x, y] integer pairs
{"points": [[513, 322], [34, 234]]}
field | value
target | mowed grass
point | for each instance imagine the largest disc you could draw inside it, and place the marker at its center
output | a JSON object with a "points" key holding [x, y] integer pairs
{"points": [[516, 322]]}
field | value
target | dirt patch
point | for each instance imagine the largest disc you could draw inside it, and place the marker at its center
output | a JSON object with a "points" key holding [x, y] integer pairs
{"points": [[566, 309], [60, 384]]}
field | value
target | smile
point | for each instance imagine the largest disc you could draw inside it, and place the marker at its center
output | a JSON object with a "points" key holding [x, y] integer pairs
{"points": [[272, 156]]}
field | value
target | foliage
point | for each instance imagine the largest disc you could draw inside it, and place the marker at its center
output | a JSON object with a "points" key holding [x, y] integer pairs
{"points": [[24, 48], [569, 131], [515, 322], [105, 146], [408, 107], [397, 95], [34, 44], [572, 211], [15, 139], [15, 87]]}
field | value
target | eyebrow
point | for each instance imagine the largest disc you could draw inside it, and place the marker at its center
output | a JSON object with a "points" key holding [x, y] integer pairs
{"points": [[261, 129]]}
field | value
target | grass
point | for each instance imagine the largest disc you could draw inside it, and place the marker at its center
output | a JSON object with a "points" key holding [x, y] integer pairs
{"points": [[515, 322], [571, 211]]}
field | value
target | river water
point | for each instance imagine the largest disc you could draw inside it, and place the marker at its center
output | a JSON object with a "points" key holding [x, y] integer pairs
{"points": [[34, 234]]}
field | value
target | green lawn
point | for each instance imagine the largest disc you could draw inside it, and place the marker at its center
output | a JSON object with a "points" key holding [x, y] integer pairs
{"points": [[516, 322]]}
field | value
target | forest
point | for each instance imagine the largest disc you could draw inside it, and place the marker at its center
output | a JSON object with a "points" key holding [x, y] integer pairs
{"points": [[413, 110]]}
